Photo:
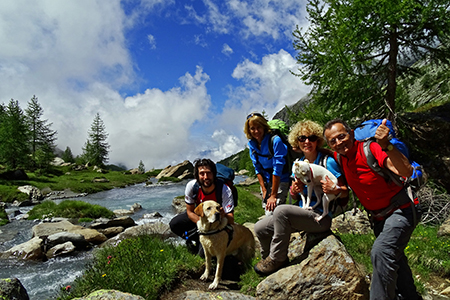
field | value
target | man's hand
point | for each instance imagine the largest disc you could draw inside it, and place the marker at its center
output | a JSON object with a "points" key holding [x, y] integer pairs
{"points": [[382, 134], [328, 186]]}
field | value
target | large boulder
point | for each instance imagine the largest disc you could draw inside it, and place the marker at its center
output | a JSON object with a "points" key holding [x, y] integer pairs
{"points": [[184, 169], [62, 237], [12, 289], [32, 250], [90, 235], [33, 192], [156, 228], [320, 268], [110, 295], [352, 221], [179, 204]]}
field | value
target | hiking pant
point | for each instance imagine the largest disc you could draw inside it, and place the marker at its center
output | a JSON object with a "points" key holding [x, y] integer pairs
{"points": [[392, 276], [182, 226], [274, 232], [282, 193]]}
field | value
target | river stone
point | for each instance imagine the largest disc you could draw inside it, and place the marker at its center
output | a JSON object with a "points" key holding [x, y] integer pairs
{"points": [[200, 295], [110, 295], [28, 250], [111, 231], [122, 212], [60, 249], [444, 229], [324, 271], [156, 228], [179, 204], [125, 222], [76, 239], [12, 289], [90, 235]]}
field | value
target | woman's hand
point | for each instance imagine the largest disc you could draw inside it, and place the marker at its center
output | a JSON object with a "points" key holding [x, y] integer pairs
{"points": [[329, 187], [271, 203], [297, 186]]}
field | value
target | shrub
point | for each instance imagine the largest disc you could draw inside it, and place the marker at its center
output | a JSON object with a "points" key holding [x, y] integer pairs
{"points": [[69, 209]]}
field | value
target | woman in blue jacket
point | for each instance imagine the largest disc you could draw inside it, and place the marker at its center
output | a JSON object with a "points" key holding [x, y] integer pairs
{"points": [[270, 165]]}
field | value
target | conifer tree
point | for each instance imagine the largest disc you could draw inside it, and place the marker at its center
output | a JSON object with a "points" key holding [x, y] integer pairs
{"points": [[96, 149], [67, 156], [41, 137], [14, 135]]}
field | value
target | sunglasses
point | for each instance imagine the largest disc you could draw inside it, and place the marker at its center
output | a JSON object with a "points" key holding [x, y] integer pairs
{"points": [[311, 138], [254, 114]]}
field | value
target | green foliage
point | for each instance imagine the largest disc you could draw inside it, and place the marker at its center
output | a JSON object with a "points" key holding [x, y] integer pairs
{"points": [[41, 137], [141, 167], [171, 179], [3, 216], [144, 266], [67, 156], [249, 207], [95, 150], [14, 148], [153, 172], [353, 51], [61, 178], [69, 209]]}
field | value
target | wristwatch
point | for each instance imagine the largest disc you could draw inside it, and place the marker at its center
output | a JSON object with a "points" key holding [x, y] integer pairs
{"points": [[388, 148]]}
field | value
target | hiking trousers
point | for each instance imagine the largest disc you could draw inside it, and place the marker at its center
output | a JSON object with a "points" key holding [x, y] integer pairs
{"points": [[392, 275], [274, 232]]}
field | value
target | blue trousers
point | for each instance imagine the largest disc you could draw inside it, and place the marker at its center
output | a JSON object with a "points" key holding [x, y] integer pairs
{"points": [[392, 276]]}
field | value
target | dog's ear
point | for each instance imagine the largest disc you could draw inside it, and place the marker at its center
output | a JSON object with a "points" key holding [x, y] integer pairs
{"points": [[306, 161], [199, 210]]}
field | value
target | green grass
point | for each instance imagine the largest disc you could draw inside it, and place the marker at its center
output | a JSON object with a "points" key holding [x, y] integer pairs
{"points": [[69, 209], [62, 178], [3, 217], [144, 266]]}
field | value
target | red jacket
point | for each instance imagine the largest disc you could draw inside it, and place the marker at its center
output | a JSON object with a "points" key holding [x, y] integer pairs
{"points": [[372, 190]]}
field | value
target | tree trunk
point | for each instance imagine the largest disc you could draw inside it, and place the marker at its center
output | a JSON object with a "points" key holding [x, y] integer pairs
{"points": [[391, 77]]}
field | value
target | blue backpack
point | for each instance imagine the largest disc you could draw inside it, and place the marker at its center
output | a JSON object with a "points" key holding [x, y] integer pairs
{"points": [[365, 132]]}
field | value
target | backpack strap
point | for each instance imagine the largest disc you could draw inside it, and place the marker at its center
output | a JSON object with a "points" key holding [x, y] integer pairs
{"points": [[218, 190], [387, 174]]}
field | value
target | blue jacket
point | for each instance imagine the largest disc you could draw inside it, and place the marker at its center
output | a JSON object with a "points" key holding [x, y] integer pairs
{"points": [[269, 165]]}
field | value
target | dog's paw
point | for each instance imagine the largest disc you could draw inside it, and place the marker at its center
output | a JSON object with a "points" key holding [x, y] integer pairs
{"points": [[214, 285], [204, 276], [318, 219]]}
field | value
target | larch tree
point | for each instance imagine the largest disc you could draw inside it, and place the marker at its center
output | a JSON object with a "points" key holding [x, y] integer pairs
{"points": [[96, 148], [354, 50]]}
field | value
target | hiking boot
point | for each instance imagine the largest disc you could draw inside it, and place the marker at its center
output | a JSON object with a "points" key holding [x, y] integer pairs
{"points": [[268, 266]]}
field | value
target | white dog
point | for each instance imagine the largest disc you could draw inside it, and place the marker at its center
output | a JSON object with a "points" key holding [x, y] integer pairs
{"points": [[311, 175], [220, 239]]}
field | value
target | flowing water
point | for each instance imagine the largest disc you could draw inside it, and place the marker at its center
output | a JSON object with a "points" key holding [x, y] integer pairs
{"points": [[43, 280]]}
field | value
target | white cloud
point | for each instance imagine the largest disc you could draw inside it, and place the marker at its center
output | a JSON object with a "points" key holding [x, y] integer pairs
{"points": [[151, 41], [267, 86], [73, 57], [227, 50]]}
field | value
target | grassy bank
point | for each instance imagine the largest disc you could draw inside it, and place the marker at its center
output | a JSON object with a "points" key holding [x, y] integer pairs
{"points": [[61, 178], [149, 267]]}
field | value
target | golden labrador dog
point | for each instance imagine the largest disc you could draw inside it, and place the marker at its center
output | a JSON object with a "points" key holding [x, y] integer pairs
{"points": [[220, 240]]}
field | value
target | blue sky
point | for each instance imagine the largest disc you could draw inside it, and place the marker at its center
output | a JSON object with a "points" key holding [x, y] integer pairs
{"points": [[172, 80]]}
